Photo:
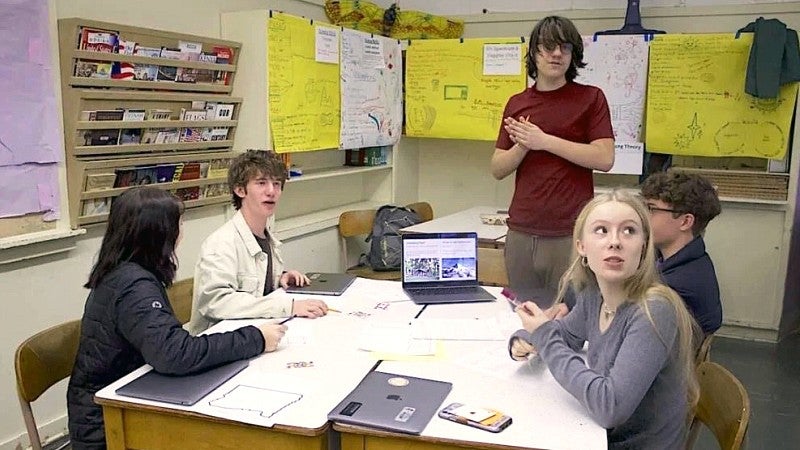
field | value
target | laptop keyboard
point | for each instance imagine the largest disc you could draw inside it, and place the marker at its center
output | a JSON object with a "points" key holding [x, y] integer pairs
{"points": [[443, 291]]}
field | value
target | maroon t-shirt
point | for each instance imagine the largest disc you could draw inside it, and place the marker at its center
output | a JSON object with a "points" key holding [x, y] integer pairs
{"points": [[550, 191]]}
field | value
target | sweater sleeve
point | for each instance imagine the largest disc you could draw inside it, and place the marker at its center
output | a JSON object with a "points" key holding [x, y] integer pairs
{"points": [[573, 326], [143, 320], [218, 296], [611, 399]]}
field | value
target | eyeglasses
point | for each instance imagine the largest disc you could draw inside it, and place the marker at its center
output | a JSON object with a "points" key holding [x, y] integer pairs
{"points": [[654, 208], [565, 47]]}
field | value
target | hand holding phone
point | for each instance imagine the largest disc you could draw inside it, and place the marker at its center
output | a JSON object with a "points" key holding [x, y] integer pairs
{"points": [[485, 419]]}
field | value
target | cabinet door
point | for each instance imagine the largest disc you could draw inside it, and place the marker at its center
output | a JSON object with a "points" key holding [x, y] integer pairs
{"points": [[746, 245]]}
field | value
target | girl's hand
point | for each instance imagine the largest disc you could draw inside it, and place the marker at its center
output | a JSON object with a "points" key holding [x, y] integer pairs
{"points": [[532, 316]]}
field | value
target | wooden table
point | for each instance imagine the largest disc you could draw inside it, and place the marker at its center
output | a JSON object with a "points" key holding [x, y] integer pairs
{"points": [[465, 221]]}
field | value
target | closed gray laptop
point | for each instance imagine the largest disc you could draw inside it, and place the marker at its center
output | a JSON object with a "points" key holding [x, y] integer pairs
{"points": [[180, 390], [392, 402], [442, 268], [324, 284]]}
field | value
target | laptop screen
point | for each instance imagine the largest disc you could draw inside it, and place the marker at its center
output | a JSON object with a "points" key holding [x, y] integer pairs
{"points": [[436, 259]]}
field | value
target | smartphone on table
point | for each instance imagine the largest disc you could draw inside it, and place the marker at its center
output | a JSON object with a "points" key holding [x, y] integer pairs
{"points": [[483, 418]]}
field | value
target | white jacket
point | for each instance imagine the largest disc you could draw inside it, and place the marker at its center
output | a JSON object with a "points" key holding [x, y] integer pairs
{"points": [[230, 275]]}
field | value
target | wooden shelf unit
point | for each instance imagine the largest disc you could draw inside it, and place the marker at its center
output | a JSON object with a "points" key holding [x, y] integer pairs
{"points": [[93, 94]]}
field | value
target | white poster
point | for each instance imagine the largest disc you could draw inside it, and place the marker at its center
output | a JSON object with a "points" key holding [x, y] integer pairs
{"points": [[618, 66], [502, 59], [371, 89], [327, 45]]}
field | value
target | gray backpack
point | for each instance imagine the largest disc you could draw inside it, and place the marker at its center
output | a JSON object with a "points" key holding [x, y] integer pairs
{"points": [[385, 249]]}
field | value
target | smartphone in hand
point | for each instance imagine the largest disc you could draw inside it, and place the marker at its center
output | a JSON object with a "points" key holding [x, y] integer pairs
{"points": [[485, 419]]}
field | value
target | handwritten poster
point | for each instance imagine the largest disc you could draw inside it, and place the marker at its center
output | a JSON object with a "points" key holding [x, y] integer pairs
{"points": [[303, 93], [618, 66], [447, 93], [31, 143], [697, 105], [371, 89]]}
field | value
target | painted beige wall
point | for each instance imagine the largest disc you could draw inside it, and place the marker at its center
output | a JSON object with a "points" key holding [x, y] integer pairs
{"points": [[452, 175]]}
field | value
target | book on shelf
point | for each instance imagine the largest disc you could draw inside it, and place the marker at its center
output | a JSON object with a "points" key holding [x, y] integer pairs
{"points": [[98, 40], [126, 47], [145, 175], [207, 57], [186, 75], [219, 111], [165, 173], [125, 177], [109, 114], [224, 56], [159, 114], [170, 53], [101, 137], [130, 136], [149, 136], [204, 76], [145, 72], [122, 70], [218, 168], [133, 115], [216, 190], [96, 206], [85, 68], [192, 114], [204, 169], [191, 171], [86, 116], [167, 136], [152, 52], [99, 181], [167, 73], [219, 134], [191, 134], [190, 47], [178, 171]]}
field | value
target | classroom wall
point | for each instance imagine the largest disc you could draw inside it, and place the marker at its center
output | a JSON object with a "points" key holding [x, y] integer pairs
{"points": [[452, 175]]}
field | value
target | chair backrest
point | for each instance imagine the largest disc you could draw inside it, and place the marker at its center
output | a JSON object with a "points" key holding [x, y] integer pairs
{"points": [[704, 352], [492, 267], [423, 209], [724, 406], [359, 222], [180, 297], [40, 362]]}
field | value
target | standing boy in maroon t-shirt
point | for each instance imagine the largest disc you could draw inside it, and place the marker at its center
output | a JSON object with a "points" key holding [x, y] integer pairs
{"points": [[553, 135]]}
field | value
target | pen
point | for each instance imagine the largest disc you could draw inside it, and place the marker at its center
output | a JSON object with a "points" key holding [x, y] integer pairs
{"points": [[286, 320]]}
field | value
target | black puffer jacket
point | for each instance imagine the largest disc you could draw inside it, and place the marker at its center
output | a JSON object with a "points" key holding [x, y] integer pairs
{"points": [[128, 322]]}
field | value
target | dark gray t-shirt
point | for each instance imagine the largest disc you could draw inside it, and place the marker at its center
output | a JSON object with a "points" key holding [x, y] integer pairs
{"points": [[632, 383], [264, 243]]}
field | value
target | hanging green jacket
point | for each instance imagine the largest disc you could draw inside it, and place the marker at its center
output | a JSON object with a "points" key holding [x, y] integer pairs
{"points": [[774, 57]]}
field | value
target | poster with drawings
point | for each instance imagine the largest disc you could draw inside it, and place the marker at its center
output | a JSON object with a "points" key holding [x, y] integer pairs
{"points": [[371, 90], [618, 66]]}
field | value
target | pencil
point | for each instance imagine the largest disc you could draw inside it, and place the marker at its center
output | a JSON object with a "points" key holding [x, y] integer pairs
{"points": [[333, 310], [286, 320]]}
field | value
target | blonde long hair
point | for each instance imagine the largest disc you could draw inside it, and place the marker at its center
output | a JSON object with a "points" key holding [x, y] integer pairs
{"points": [[643, 284]]}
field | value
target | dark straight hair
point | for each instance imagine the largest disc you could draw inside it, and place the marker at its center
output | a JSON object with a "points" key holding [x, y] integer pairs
{"points": [[551, 31], [143, 227]]}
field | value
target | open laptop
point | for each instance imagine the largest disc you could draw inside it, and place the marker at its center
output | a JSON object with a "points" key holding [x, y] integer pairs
{"points": [[392, 402], [324, 284], [442, 268], [180, 390]]}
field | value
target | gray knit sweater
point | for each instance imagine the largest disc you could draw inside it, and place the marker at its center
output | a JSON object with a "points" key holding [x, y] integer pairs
{"points": [[633, 384]]}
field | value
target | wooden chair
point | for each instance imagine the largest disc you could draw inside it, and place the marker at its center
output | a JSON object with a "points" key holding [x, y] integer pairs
{"points": [[359, 223], [492, 267], [180, 297], [40, 362], [704, 352], [724, 407]]}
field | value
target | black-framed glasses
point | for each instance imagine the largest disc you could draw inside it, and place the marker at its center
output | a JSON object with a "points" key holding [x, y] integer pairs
{"points": [[550, 47], [654, 208]]}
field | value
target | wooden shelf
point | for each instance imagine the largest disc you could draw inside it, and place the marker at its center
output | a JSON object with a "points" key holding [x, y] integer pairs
{"points": [[133, 124], [106, 163], [116, 57], [317, 174]]}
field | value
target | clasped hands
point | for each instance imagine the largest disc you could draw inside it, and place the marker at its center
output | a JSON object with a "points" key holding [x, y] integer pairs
{"points": [[525, 133], [532, 318]]}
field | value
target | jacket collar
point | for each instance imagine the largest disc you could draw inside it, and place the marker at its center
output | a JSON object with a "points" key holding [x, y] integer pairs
{"points": [[247, 235], [690, 252]]}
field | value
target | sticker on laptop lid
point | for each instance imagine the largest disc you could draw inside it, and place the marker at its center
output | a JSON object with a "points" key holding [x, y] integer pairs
{"points": [[398, 381], [405, 414]]}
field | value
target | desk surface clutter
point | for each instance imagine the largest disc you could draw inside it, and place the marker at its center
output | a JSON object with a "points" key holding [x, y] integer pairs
{"points": [[320, 361]]}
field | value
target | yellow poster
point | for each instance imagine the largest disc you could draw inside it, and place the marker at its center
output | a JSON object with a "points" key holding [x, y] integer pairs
{"points": [[458, 89], [696, 104], [303, 93]]}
